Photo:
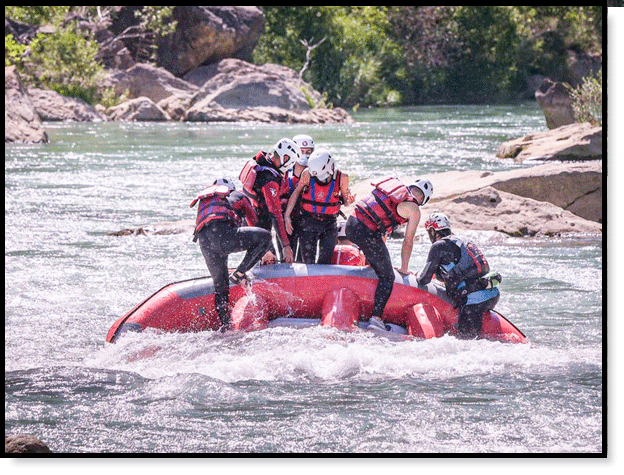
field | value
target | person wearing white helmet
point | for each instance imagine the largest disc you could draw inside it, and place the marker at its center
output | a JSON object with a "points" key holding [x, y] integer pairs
{"points": [[225, 224], [306, 144], [321, 190], [289, 183], [461, 265], [262, 179], [389, 205]]}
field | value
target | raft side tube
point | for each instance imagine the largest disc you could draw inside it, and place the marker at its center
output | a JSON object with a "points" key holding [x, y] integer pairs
{"points": [[425, 322], [496, 327], [340, 309], [336, 295]]}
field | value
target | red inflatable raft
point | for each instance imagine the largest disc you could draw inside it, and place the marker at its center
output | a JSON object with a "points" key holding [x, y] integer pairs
{"points": [[299, 294]]}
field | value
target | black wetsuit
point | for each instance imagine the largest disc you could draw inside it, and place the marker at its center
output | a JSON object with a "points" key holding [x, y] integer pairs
{"points": [[371, 243], [266, 198], [472, 298], [313, 231], [218, 239]]}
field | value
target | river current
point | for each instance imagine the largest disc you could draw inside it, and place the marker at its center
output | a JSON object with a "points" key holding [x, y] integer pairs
{"points": [[280, 390]]}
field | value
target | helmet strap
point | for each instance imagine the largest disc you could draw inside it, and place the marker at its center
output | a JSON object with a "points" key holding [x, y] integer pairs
{"points": [[432, 234]]}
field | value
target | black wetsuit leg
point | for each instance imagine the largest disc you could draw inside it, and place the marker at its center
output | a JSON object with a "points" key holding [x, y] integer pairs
{"points": [[471, 318], [313, 232], [219, 239], [374, 248]]}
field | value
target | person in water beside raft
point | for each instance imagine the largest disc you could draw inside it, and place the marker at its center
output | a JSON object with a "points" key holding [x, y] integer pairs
{"points": [[220, 230], [262, 178], [460, 264], [289, 183], [389, 205], [321, 190]]}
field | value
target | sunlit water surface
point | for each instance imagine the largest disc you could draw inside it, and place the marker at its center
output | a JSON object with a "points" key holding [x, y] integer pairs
{"points": [[282, 389]]}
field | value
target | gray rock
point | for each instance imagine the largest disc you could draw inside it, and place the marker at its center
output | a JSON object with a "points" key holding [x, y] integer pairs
{"points": [[144, 80], [24, 444], [139, 109], [53, 106], [21, 121], [569, 142], [237, 84], [556, 102], [206, 34]]}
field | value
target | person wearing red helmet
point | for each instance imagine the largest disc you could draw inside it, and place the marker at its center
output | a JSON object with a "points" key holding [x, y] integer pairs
{"points": [[461, 265]]}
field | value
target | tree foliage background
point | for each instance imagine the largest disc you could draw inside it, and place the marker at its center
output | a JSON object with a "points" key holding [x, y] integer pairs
{"points": [[354, 55], [377, 55]]}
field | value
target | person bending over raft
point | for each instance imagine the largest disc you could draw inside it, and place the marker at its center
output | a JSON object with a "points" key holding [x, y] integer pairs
{"points": [[389, 205], [322, 189], [289, 183], [462, 267], [262, 178], [220, 232]]}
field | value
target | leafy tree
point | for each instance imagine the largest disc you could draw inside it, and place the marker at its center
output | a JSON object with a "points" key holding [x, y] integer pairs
{"points": [[358, 63]]}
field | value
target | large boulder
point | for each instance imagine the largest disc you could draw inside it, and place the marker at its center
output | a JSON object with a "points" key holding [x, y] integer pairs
{"points": [[569, 142], [21, 121], [206, 34], [546, 199], [236, 84], [52, 106], [232, 91], [494, 210], [141, 109], [144, 80], [556, 102]]}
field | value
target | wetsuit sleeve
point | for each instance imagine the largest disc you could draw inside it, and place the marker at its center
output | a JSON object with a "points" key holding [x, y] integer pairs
{"points": [[247, 209], [433, 262], [270, 191]]}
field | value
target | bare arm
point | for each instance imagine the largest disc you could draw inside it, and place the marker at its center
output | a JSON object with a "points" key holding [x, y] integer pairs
{"points": [[411, 212], [292, 201], [344, 189]]}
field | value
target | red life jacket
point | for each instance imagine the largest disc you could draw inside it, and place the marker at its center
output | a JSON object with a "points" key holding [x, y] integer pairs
{"points": [[248, 176], [213, 206], [322, 199], [378, 211]]}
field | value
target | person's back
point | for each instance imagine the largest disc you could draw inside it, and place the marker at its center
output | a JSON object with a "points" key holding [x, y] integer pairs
{"points": [[461, 265]]}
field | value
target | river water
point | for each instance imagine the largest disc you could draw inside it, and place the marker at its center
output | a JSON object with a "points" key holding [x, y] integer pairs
{"points": [[281, 390]]}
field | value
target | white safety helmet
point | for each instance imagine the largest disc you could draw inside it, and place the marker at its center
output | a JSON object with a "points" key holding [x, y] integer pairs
{"points": [[321, 164], [225, 181], [436, 221], [288, 152], [305, 142], [426, 187], [342, 229]]}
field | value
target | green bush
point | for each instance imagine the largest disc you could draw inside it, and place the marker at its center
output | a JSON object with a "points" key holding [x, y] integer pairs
{"points": [[587, 100], [65, 62], [13, 51]]}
